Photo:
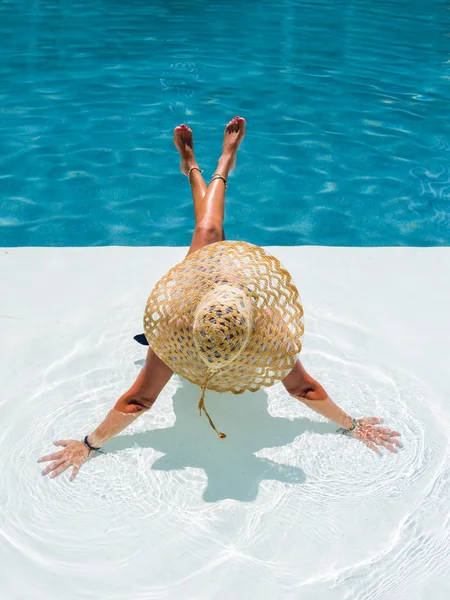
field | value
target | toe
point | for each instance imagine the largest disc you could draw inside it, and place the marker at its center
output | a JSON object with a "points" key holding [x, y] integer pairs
{"points": [[187, 135]]}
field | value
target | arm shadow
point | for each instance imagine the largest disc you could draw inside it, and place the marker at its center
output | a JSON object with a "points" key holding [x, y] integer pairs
{"points": [[232, 468]]}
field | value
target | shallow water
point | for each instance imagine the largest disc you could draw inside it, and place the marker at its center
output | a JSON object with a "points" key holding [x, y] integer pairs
{"points": [[200, 515], [284, 507], [347, 106]]}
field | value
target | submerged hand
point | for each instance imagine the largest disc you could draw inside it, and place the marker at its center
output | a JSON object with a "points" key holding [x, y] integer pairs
{"points": [[75, 453], [368, 431]]}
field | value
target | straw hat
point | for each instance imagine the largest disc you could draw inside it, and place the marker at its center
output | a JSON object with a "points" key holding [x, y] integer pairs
{"points": [[228, 318]]}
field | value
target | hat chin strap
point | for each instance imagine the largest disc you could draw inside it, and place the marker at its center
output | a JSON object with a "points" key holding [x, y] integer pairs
{"points": [[201, 407]]}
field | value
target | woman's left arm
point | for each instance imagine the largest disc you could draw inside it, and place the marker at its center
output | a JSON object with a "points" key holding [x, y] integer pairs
{"points": [[304, 388]]}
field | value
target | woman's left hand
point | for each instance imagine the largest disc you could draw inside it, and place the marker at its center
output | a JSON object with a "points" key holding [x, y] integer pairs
{"points": [[368, 431]]}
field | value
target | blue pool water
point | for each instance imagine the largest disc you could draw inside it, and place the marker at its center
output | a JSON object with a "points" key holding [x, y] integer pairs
{"points": [[347, 106]]}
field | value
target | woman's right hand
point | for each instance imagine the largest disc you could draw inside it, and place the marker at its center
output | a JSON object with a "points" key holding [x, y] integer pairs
{"points": [[74, 454]]}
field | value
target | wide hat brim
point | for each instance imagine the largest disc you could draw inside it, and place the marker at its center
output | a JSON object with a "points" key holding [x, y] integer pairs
{"points": [[274, 340]]}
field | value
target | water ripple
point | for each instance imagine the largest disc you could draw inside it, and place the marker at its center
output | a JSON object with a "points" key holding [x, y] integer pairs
{"points": [[208, 515]]}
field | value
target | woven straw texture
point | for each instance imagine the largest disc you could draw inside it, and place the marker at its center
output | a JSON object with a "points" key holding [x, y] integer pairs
{"points": [[227, 318]]}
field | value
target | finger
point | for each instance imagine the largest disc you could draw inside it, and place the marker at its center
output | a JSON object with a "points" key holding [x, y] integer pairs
{"points": [[54, 456], [389, 439], [372, 447], [65, 465], [74, 473], [62, 442], [52, 466], [386, 431], [391, 448]]}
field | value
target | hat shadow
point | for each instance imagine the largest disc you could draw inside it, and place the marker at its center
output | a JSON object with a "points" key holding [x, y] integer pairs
{"points": [[232, 468]]}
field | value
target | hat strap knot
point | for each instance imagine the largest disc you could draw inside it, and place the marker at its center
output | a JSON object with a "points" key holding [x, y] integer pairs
{"points": [[201, 407]]}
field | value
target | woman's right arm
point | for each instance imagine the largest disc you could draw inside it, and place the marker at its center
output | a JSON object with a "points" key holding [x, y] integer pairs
{"points": [[137, 400]]}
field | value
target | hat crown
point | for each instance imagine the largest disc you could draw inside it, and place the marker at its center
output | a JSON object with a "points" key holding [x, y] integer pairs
{"points": [[222, 325]]}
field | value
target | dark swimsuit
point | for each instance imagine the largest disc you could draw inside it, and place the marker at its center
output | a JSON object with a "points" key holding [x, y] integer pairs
{"points": [[141, 339]]}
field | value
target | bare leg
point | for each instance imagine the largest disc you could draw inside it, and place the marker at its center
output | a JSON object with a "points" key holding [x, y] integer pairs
{"points": [[184, 142], [155, 374], [209, 213], [209, 210]]}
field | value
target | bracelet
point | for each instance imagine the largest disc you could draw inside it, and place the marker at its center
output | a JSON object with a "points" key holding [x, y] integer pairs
{"points": [[219, 176], [88, 445], [350, 429]]}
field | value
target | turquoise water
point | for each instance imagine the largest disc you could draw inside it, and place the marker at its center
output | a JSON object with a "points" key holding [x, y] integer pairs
{"points": [[347, 106]]}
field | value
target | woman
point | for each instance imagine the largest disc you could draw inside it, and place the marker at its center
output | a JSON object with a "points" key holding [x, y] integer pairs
{"points": [[209, 215]]}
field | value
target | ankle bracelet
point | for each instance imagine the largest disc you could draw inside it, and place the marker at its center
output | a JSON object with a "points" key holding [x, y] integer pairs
{"points": [[219, 176], [190, 171]]}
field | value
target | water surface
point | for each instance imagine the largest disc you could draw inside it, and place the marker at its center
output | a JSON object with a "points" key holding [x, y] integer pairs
{"points": [[347, 107]]}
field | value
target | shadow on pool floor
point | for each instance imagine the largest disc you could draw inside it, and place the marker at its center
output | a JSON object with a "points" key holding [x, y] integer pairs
{"points": [[231, 466]]}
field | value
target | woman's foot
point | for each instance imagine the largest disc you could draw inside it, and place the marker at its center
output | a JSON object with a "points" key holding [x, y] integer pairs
{"points": [[234, 134], [183, 140]]}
